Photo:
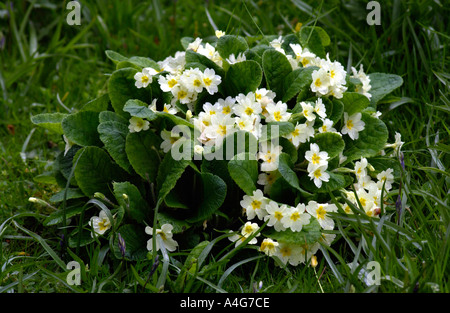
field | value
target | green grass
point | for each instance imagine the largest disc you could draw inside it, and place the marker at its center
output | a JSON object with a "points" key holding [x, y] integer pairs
{"points": [[48, 66]]}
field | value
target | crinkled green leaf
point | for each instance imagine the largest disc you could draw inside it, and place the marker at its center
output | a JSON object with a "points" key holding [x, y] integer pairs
{"points": [[332, 143], [135, 242], [242, 77], [243, 168], [140, 109], [142, 152], [135, 205], [95, 171], [98, 104], [229, 44], [297, 82], [315, 39], [81, 128], [353, 102], [169, 172], [310, 234], [276, 67], [50, 121], [121, 87], [370, 141], [113, 135], [213, 195], [382, 85], [72, 193], [109, 116], [273, 130]]}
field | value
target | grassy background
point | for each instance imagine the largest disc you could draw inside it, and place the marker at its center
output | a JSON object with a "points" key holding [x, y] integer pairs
{"points": [[47, 65]]}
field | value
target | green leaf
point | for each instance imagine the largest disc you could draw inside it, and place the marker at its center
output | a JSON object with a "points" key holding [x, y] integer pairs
{"points": [[335, 109], [109, 116], [297, 81], [371, 139], [381, 163], [140, 109], [81, 128], [98, 104], [121, 87], [142, 151], [169, 172], [58, 216], [332, 143], [185, 41], [72, 193], [214, 193], [310, 234], [285, 169], [113, 135], [242, 77], [135, 242], [243, 168], [194, 57], [314, 38], [135, 205], [229, 44], [382, 84], [115, 56], [138, 63], [273, 130], [50, 121], [179, 226], [95, 171], [276, 67], [353, 102]]}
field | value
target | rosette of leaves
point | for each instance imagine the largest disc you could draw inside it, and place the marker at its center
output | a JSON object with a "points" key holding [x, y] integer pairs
{"points": [[141, 183]]}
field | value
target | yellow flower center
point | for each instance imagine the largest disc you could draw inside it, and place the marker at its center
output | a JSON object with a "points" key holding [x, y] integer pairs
{"points": [[103, 225], [248, 229], [256, 204], [332, 74], [278, 215], [363, 201], [226, 110], [172, 83], [350, 124], [181, 94], [144, 79], [207, 81], [285, 251], [277, 116], [315, 159], [295, 133], [248, 111], [197, 83], [321, 212], [305, 62], [317, 173], [295, 216], [318, 82], [222, 130]]}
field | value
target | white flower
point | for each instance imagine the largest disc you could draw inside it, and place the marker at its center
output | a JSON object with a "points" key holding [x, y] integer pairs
{"points": [[211, 81], [182, 94], [219, 33], [320, 109], [276, 43], [232, 59], [269, 154], [144, 78], [69, 144], [166, 235], [318, 174], [385, 176], [169, 140], [295, 217], [277, 112], [212, 109], [221, 126], [168, 82], [255, 205], [195, 44], [301, 133], [250, 123], [137, 124], [327, 126], [397, 145], [316, 157], [360, 167], [303, 56], [100, 224], [193, 80], [320, 82], [294, 254], [198, 149], [365, 80], [227, 105], [247, 230], [308, 111], [275, 215], [320, 211], [266, 179], [246, 105], [352, 125], [173, 65], [269, 247]]}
